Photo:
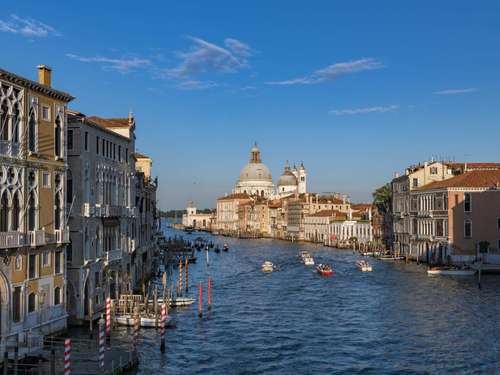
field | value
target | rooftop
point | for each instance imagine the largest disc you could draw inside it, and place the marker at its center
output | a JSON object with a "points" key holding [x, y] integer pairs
{"points": [[480, 178]]}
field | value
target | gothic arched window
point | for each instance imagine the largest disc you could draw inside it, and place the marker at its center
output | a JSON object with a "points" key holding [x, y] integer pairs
{"points": [[57, 212], [32, 131], [4, 122], [31, 212], [4, 213], [57, 137], [15, 212], [16, 120]]}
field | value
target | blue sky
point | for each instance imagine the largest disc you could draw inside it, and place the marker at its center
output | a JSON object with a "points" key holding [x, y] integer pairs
{"points": [[355, 89]]}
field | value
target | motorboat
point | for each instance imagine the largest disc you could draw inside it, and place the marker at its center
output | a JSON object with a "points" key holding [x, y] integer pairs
{"points": [[391, 258], [304, 254], [145, 322], [267, 266], [364, 266], [225, 247], [308, 260], [324, 270], [450, 271], [174, 302]]}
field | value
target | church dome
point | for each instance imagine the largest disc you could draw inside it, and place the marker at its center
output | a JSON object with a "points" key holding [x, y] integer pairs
{"points": [[255, 172], [287, 179]]}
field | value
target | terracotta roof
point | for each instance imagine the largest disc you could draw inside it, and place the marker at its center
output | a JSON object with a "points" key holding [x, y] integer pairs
{"points": [[110, 122], [139, 155], [361, 206], [234, 196], [472, 179]]}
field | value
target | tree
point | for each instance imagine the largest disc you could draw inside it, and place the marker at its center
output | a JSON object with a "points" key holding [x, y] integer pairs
{"points": [[382, 198]]}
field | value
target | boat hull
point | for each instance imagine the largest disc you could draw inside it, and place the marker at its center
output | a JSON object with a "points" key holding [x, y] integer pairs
{"points": [[451, 272], [128, 320]]}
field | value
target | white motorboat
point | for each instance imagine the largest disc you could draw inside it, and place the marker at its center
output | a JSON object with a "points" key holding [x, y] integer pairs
{"points": [[391, 258], [267, 266], [175, 302], [146, 322], [308, 261], [364, 266], [450, 271], [304, 254]]}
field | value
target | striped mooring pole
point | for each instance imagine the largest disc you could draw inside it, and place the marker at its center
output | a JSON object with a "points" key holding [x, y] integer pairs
{"points": [[102, 343], [108, 318], [67, 357], [137, 321], [163, 322]]}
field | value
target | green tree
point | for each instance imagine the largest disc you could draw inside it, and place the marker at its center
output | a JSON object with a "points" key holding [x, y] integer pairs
{"points": [[382, 198]]}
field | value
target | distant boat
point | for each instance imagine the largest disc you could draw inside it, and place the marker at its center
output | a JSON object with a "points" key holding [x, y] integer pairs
{"points": [[226, 247], [267, 266], [217, 249], [364, 266], [175, 302], [145, 322], [391, 258], [450, 271], [324, 270]]}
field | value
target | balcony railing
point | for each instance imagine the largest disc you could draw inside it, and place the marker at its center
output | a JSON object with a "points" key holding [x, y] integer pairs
{"points": [[9, 148], [113, 256], [36, 238], [62, 235], [11, 239]]}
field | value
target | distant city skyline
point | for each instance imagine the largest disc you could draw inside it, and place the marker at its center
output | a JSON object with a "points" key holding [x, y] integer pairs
{"points": [[355, 95]]}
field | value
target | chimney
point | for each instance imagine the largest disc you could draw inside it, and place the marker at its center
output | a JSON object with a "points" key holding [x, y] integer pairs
{"points": [[44, 75]]}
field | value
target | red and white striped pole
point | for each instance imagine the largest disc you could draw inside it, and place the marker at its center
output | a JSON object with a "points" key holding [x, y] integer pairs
{"points": [[108, 318], [67, 357], [209, 293], [163, 322], [102, 343], [200, 300]]}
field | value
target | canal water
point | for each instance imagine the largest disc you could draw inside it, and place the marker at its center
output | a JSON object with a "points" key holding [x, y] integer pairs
{"points": [[394, 320]]}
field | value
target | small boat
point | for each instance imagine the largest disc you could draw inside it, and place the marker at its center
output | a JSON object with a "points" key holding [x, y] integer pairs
{"points": [[308, 261], [450, 271], [189, 230], [267, 266], [145, 322], [176, 302], [217, 249], [324, 270], [226, 247], [304, 254], [391, 258], [364, 266]]}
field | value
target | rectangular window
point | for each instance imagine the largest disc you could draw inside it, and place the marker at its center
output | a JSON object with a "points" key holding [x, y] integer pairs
{"points": [[97, 146], [86, 141], [415, 182], [32, 266], [468, 229], [69, 190], [70, 139], [498, 222], [467, 202], [103, 151], [96, 280], [45, 113], [126, 155], [119, 153], [46, 259], [58, 263], [45, 179], [16, 304], [434, 170], [114, 151], [57, 296]]}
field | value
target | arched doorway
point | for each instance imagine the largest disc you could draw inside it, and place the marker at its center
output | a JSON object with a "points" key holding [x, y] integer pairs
{"points": [[5, 304], [86, 299]]}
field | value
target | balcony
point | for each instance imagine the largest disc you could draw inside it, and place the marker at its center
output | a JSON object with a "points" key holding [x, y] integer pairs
{"points": [[11, 239], [113, 256], [9, 148], [62, 235], [36, 238]]}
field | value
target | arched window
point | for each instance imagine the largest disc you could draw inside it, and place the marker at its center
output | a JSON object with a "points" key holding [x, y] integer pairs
{"points": [[262, 193], [4, 213], [57, 137], [32, 212], [16, 121], [31, 302], [15, 212], [32, 131], [4, 122], [57, 212], [57, 296]]}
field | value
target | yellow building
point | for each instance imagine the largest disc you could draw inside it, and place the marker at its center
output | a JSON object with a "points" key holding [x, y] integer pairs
{"points": [[33, 221]]}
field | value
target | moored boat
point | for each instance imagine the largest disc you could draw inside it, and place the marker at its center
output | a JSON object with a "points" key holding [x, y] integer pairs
{"points": [[450, 271], [324, 270], [364, 266], [145, 322], [391, 258], [226, 247]]}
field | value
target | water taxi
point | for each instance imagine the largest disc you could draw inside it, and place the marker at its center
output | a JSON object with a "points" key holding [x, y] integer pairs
{"points": [[450, 271], [363, 266], [267, 266], [324, 270]]}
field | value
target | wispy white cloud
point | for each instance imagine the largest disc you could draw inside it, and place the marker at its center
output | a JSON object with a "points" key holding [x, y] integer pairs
{"points": [[456, 91], [192, 85], [124, 65], [332, 71], [27, 27], [357, 111], [206, 57]]}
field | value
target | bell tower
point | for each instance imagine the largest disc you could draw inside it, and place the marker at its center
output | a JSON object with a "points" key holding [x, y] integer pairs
{"points": [[302, 178]]}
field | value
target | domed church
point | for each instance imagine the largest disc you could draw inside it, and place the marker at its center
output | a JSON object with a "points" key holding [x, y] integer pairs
{"points": [[256, 179]]}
